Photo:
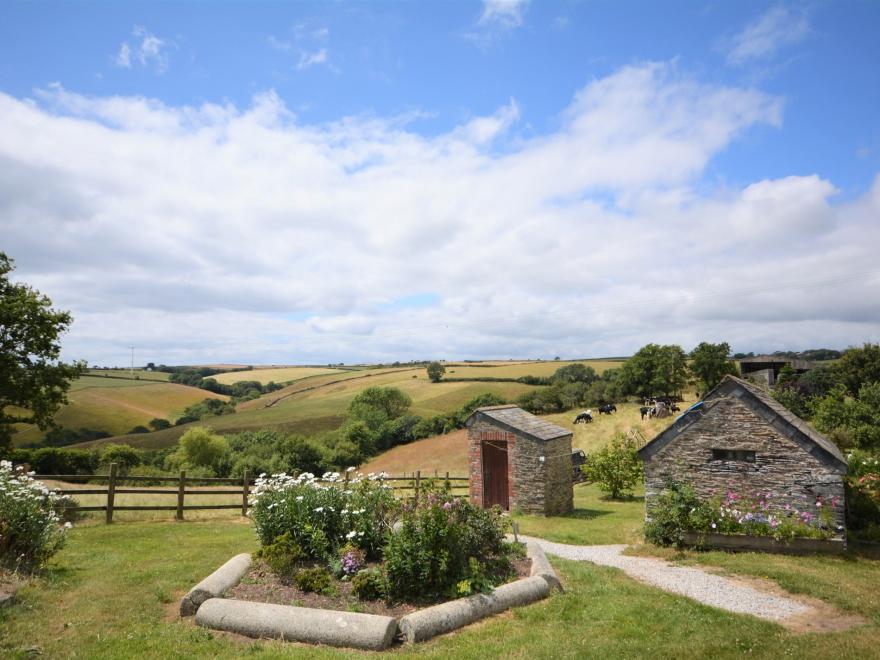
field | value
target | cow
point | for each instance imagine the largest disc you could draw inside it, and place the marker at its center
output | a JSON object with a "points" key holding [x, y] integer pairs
{"points": [[607, 409], [674, 408], [645, 411], [586, 417]]}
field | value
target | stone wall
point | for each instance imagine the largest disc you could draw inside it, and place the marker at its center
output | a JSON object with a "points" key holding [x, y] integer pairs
{"points": [[781, 467], [543, 488]]}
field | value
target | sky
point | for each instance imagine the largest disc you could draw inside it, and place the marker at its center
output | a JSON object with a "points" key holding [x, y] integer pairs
{"points": [[305, 183]]}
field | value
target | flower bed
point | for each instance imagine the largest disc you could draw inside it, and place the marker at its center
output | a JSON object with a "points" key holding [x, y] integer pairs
{"points": [[679, 517], [320, 534]]}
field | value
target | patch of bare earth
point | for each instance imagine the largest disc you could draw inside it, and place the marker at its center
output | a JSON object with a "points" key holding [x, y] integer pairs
{"points": [[263, 586], [819, 618]]}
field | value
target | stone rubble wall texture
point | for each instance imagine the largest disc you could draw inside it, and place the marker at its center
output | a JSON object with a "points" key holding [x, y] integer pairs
{"points": [[536, 487], [781, 467]]}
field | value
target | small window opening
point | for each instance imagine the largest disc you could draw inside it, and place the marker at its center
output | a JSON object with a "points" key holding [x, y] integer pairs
{"points": [[733, 455]]}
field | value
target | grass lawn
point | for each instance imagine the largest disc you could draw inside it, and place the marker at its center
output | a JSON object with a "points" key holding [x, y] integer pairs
{"points": [[112, 593]]}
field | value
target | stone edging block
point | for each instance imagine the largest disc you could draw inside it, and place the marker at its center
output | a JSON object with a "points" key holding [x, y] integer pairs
{"points": [[213, 586], [541, 566], [443, 618], [353, 629], [298, 624]]}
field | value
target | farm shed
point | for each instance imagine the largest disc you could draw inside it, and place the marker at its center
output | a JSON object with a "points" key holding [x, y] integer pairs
{"points": [[765, 368], [519, 461], [740, 438]]}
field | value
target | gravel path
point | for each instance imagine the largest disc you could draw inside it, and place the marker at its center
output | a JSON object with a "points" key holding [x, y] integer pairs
{"points": [[704, 587]]}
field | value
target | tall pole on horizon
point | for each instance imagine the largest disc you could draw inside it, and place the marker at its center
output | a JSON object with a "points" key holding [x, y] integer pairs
{"points": [[132, 361]]}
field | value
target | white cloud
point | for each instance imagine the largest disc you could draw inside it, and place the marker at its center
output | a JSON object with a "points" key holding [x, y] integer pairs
{"points": [[149, 51], [777, 28], [308, 60], [279, 44], [217, 233], [123, 57], [504, 14]]}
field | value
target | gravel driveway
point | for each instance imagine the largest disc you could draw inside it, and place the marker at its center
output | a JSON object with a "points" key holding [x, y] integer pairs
{"points": [[695, 583]]}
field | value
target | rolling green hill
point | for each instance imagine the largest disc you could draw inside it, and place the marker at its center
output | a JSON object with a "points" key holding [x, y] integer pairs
{"points": [[318, 403], [116, 405]]}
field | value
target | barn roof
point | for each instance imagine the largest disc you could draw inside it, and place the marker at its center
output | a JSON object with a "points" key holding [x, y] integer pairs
{"points": [[773, 412], [516, 420]]}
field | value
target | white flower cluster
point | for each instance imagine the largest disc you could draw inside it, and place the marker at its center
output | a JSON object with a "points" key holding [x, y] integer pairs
{"points": [[20, 486], [281, 481]]}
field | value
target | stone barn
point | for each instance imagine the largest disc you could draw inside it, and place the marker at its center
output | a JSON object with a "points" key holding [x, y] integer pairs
{"points": [[740, 438], [519, 461]]}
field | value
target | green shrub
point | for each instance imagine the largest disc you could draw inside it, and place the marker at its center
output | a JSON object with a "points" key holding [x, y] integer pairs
{"points": [[282, 556], [616, 468], [669, 514], [431, 552], [30, 529], [317, 580], [370, 584]]}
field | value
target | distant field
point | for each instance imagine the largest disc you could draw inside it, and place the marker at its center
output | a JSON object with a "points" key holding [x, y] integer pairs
{"points": [[518, 369], [117, 406], [277, 375], [318, 403]]}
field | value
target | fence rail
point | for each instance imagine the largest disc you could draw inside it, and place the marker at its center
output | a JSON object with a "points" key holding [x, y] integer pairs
{"points": [[116, 486]]}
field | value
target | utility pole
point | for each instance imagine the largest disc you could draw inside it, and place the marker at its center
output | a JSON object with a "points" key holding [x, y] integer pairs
{"points": [[132, 361]]}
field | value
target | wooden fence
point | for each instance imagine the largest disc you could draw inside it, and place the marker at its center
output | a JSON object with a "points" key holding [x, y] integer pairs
{"points": [[117, 485]]}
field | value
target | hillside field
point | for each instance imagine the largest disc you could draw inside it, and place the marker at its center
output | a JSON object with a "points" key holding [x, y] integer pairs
{"points": [[448, 453], [116, 405], [273, 374], [518, 369]]}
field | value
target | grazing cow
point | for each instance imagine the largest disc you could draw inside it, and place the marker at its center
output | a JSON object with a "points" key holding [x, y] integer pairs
{"points": [[674, 408], [586, 417], [607, 409], [645, 412]]}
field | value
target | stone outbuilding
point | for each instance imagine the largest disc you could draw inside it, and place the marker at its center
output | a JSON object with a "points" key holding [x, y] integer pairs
{"points": [[519, 461], [740, 438]]}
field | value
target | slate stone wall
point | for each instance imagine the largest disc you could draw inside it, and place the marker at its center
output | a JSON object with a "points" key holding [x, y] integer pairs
{"points": [[793, 476], [543, 488]]}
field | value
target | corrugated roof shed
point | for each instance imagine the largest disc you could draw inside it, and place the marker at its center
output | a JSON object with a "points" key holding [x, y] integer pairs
{"points": [[517, 420]]}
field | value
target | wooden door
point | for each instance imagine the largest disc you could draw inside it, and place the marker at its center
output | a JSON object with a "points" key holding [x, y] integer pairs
{"points": [[495, 474]]}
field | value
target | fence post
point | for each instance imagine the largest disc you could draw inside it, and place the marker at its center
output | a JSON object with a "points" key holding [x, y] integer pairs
{"points": [[418, 483], [244, 493], [181, 490], [111, 492]]}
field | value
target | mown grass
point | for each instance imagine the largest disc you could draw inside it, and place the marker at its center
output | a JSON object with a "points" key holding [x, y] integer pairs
{"points": [[113, 591]]}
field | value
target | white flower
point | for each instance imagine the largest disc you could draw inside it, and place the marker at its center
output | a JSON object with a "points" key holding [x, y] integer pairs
{"points": [[68, 525], [351, 535], [350, 469]]}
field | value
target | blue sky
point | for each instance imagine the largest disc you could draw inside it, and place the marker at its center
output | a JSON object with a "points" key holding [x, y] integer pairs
{"points": [[608, 119]]}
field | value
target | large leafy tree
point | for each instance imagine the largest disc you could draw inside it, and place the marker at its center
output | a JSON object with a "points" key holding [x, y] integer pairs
{"points": [[655, 370], [709, 363], [33, 380]]}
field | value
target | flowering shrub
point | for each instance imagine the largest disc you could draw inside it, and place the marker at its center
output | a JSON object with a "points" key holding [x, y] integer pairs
{"points": [[443, 543], [678, 509], [863, 495], [323, 515], [352, 560], [30, 529]]}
